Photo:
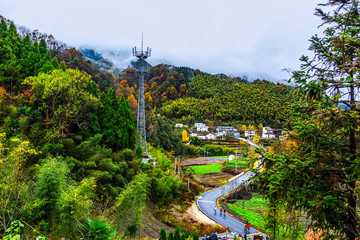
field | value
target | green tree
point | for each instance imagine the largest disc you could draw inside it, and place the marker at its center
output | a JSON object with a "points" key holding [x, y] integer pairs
{"points": [[171, 236], [50, 182], [319, 170], [13, 39], [162, 234], [183, 236], [14, 189], [63, 97], [116, 121], [96, 229], [9, 54], [132, 203], [177, 233], [3, 28], [74, 206]]}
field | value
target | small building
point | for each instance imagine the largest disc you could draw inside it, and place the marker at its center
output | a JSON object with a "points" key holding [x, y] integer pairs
{"points": [[199, 124], [202, 128], [201, 136], [249, 134], [193, 134], [236, 134], [271, 133], [211, 136], [180, 125], [223, 130]]}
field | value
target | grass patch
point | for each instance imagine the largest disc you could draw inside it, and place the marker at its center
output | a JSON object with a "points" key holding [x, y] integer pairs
{"points": [[251, 210], [240, 163], [255, 204], [254, 218], [220, 156], [206, 169]]}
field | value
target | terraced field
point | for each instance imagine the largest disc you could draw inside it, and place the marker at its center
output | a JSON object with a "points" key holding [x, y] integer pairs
{"points": [[240, 163], [206, 169], [252, 211]]}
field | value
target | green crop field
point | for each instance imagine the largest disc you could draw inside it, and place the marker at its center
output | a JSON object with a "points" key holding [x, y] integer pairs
{"points": [[206, 169], [252, 210], [254, 218], [220, 156], [243, 163], [240, 164]]}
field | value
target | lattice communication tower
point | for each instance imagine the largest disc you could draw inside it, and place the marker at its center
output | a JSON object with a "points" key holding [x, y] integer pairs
{"points": [[141, 67]]}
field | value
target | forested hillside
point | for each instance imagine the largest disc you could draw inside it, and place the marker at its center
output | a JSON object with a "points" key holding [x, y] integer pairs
{"points": [[68, 159], [225, 100], [191, 95]]}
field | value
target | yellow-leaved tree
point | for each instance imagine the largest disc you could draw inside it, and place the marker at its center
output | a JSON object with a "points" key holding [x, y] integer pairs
{"points": [[256, 138], [251, 127], [184, 137], [243, 128]]}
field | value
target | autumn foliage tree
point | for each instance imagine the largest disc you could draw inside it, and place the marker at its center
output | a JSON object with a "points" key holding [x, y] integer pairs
{"points": [[184, 137]]}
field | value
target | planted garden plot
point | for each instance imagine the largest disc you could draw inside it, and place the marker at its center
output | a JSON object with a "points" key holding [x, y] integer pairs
{"points": [[206, 169]]}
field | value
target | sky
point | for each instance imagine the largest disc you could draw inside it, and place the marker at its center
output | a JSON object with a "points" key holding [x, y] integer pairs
{"points": [[215, 36]]}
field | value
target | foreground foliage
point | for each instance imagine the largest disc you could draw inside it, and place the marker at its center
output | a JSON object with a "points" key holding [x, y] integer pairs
{"points": [[318, 169]]}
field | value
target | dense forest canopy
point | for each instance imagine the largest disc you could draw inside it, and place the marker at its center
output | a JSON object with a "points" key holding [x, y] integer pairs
{"points": [[225, 100], [68, 156]]}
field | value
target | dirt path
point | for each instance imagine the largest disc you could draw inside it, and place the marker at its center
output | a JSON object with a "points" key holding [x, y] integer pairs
{"points": [[194, 213]]}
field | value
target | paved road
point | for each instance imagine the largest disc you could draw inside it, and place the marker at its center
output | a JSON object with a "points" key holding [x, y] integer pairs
{"points": [[206, 204]]}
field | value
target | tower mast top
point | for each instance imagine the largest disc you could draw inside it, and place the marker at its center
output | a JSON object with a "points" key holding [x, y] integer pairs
{"points": [[142, 54]]}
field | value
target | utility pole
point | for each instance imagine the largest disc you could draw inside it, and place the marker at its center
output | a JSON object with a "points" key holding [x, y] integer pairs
{"points": [[179, 168], [141, 67], [236, 160], [189, 180], [175, 167]]}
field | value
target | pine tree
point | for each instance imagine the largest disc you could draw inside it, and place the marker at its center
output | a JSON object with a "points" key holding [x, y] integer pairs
{"points": [[13, 39], [9, 66], [25, 50], [177, 233], [55, 63], [171, 236], [3, 29], [33, 59], [162, 235], [43, 48], [116, 121]]}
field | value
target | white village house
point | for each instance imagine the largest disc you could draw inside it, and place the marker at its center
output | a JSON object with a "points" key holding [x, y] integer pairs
{"points": [[223, 130], [193, 134], [202, 136], [250, 134], [271, 133], [201, 127], [211, 136], [180, 125]]}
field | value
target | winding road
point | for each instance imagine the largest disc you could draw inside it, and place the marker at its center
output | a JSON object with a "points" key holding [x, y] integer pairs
{"points": [[207, 201]]}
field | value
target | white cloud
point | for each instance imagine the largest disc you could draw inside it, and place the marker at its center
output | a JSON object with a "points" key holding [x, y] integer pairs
{"points": [[216, 36]]}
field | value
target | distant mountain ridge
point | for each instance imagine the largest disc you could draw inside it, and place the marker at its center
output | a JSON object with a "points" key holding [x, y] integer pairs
{"points": [[98, 60]]}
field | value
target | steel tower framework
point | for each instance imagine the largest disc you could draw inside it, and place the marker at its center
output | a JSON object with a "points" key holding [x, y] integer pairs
{"points": [[141, 67]]}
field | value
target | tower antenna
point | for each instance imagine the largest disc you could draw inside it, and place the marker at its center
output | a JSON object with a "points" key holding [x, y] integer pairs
{"points": [[141, 67]]}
